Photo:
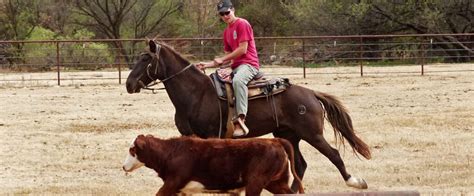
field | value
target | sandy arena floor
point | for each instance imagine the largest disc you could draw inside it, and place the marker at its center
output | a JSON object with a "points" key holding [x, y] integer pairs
{"points": [[72, 139]]}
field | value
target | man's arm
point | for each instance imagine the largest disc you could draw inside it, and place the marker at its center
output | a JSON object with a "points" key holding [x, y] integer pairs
{"points": [[242, 49]]}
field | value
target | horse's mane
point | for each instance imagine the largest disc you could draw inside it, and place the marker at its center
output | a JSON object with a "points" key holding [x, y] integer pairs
{"points": [[171, 48]]}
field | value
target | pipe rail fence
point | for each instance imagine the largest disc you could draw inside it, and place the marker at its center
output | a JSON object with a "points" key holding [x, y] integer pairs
{"points": [[302, 51]]}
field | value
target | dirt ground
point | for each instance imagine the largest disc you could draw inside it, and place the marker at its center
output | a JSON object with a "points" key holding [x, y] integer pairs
{"points": [[72, 139]]}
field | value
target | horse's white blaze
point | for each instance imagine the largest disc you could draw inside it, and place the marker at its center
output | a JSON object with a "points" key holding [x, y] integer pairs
{"points": [[356, 183], [131, 162]]}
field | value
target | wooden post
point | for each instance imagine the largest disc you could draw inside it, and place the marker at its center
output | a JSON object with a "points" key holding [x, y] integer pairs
{"points": [[304, 60], [58, 63], [120, 72], [360, 57], [121, 58], [201, 46], [422, 57]]}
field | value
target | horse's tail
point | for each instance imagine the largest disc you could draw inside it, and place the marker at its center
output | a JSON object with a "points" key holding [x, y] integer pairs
{"points": [[342, 124], [291, 155]]}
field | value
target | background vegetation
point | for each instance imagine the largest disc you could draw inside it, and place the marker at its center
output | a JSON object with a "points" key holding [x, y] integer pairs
{"points": [[198, 18], [115, 19]]}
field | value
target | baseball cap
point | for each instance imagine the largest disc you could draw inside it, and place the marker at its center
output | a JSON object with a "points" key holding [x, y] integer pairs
{"points": [[224, 5]]}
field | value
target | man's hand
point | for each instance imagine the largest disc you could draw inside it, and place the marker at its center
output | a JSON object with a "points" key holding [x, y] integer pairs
{"points": [[218, 61], [204, 65]]}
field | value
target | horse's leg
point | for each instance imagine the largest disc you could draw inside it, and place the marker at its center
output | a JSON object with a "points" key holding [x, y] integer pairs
{"points": [[310, 126], [333, 155], [182, 124], [300, 163]]}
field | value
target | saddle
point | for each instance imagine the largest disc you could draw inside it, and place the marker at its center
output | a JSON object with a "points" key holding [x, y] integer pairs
{"points": [[258, 87]]}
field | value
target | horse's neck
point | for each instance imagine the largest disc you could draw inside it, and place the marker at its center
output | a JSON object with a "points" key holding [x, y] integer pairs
{"points": [[188, 86]]}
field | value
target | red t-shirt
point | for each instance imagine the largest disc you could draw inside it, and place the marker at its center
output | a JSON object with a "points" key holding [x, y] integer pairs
{"points": [[241, 31]]}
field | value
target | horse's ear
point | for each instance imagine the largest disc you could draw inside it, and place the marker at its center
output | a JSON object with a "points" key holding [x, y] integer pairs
{"points": [[140, 142], [152, 45]]}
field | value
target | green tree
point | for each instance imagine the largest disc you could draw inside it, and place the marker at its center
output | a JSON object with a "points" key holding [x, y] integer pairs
{"points": [[56, 16], [368, 17], [268, 17], [434, 16], [19, 18], [109, 17], [327, 17], [147, 17], [200, 19]]}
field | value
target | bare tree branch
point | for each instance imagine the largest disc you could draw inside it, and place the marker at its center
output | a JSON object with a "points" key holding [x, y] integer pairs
{"points": [[417, 27]]}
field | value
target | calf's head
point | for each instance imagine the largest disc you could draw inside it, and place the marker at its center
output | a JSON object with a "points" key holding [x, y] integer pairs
{"points": [[131, 161]]}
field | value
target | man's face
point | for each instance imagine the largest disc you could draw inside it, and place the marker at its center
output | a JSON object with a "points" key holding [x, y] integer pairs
{"points": [[227, 16]]}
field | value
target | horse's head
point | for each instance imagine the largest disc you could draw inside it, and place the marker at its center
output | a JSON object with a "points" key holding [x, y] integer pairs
{"points": [[146, 69]]}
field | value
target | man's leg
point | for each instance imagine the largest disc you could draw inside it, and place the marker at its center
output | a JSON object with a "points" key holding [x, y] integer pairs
{"points": [[242, 76]]}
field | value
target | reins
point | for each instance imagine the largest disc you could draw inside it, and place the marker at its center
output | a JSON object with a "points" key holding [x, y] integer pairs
{"points": [[154, 82]]}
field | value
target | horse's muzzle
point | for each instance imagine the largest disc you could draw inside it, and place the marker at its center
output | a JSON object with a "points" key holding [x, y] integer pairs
{"points": [[134, 86]]}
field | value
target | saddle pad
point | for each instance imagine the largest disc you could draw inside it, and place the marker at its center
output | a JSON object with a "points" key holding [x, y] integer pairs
{"points": [[225, 74]]}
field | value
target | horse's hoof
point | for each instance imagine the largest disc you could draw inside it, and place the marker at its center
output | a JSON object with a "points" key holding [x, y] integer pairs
{"points": [[356, 183]]}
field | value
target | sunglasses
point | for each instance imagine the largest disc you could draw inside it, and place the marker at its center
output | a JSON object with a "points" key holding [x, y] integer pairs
{"points": [[224, 13]]}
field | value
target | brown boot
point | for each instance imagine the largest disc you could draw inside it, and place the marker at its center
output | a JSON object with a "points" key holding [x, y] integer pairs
{"points": [[240, 130]]}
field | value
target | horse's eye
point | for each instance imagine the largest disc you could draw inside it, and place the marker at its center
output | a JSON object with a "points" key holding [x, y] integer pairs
{"points": [[146, 57]]}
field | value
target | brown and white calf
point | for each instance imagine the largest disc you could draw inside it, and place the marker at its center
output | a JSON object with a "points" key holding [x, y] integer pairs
{"points": [[218, 164]]}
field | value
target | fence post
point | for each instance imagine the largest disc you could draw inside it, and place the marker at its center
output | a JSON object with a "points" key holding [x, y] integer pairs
{"points": [[360, 56], [58, 63], [304, 60], [422, 56], [201, 47], [120, 71]]}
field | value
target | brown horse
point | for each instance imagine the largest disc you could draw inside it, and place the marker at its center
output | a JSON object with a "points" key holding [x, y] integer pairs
{"points": [[300, 111]]}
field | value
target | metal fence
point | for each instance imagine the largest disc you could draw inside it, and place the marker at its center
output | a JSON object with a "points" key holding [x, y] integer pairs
{"points": [[304, 51]]}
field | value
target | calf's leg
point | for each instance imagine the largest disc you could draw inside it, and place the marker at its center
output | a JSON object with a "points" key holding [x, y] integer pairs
{"points": [[254, 189], [300, 163], [171, 187], [279, 187]]}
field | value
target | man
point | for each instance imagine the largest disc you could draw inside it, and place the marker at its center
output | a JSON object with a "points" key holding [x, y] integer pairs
{"points": [[240, 51]]}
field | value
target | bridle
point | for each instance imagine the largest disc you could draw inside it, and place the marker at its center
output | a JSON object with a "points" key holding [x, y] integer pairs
{"points": [[156, 59]]}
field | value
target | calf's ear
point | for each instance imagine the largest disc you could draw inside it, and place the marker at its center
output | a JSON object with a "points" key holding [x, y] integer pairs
{"points": [[140, 142]]}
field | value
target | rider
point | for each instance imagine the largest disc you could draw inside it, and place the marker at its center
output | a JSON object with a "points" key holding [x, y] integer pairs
{"points": [[240, 51]]}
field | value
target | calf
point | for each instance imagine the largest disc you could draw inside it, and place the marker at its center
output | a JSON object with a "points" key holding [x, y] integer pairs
{"points": [[218, 164]]}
